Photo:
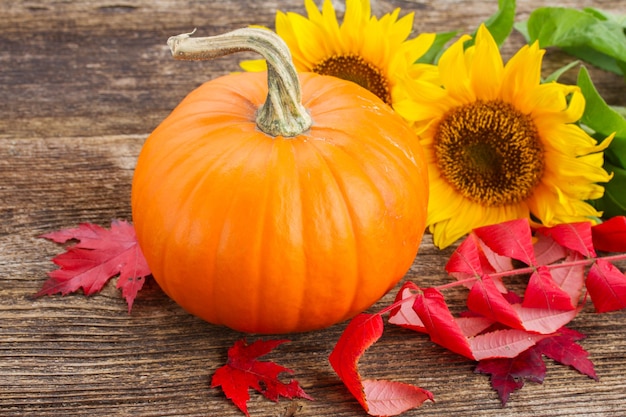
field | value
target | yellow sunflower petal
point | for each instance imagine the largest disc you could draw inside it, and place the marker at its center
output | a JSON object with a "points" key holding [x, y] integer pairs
{"points": [[454, 72], [486, 69], [522, 74]]}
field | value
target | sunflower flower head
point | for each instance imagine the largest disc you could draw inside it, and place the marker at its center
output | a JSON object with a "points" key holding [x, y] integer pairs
{"points": [[500, 144], [375, 53]]}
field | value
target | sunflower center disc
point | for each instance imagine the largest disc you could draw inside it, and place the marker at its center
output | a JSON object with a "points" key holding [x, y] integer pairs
{"points": [[489, 152], [354, 68]]}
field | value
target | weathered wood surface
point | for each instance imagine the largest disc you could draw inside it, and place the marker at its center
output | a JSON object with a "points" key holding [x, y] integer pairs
{"points": [[81, 86]]}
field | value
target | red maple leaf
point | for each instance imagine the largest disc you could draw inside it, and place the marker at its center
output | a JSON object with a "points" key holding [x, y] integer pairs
{"points": [[509, 374], [377, 397], [243, 371], [99, 255]]}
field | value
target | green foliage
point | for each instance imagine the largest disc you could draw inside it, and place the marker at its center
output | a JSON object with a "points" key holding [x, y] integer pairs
{"points": [[602, 120], [590, 34]]}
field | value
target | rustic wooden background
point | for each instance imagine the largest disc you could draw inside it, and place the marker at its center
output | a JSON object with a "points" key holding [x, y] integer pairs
{"points": [[81, 86]]}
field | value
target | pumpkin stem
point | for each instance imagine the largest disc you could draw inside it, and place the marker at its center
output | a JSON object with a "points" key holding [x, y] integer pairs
{"points": [[282, 114]]}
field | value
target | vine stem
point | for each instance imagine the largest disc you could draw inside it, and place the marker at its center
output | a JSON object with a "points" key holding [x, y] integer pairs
{"points": [[519, 271], [282, 114], [531, 269]]}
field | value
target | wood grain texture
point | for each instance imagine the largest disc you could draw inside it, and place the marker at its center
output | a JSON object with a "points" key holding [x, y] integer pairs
{"points": [[81, 86]]}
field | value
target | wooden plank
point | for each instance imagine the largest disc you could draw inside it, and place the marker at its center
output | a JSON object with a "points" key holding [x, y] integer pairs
{"points": [[81, 86]]}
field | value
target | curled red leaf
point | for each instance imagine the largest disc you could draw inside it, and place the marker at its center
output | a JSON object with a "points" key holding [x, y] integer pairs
{"points": [[377, 397]]}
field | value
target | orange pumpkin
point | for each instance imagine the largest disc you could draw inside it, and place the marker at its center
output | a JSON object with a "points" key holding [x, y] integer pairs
{"points": [[278, 232]]}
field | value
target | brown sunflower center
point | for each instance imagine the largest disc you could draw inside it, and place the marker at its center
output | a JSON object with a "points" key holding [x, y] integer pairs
{"points": [[353, 67], [489, 152]]}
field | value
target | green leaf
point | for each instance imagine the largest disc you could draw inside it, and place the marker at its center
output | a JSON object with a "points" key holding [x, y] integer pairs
{"points": [[603, 120], [598, 115], [436, 49], [556, 74], [500, 24], [589, 34]]}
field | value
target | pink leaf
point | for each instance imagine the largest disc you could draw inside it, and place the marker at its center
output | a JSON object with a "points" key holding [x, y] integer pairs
{"points": [[544, 321], [512, 239], [573, 236], [607, 286], [570, 278], [497, 263], [542, 292], [471, 326], [547, 251], [506, 343], [610, 236], [404, 315], [389, 398]]}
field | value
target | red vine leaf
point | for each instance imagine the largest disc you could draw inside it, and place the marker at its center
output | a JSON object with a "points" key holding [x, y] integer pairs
{"points": [[607, 286], [377, 397], [484, 298], [570, 276], [573, 236], [243, 371], [465, 261], [610, 236], [446, 330], [404, 315], [509, 374], [544, 292], [99, 255], [512, 239]]}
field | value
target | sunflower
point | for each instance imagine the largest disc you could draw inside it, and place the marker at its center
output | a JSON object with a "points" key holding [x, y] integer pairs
{"points": [[500, 144], [374, 53]]}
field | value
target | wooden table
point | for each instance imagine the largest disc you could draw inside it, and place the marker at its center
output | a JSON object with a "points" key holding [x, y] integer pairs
{"points": [[81, 86]]}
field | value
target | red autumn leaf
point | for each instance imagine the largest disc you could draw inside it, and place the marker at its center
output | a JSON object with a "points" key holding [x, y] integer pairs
{"points": [[440, 324], [492, 261], [607, 286], [570, 278], [512, 239], [451, 333], [465, 260], [99, 255], [377, 397], [562, 347], [484, 298], [509, 374], [243, 370], [572, 236], [543, 292], [610, 236]]}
